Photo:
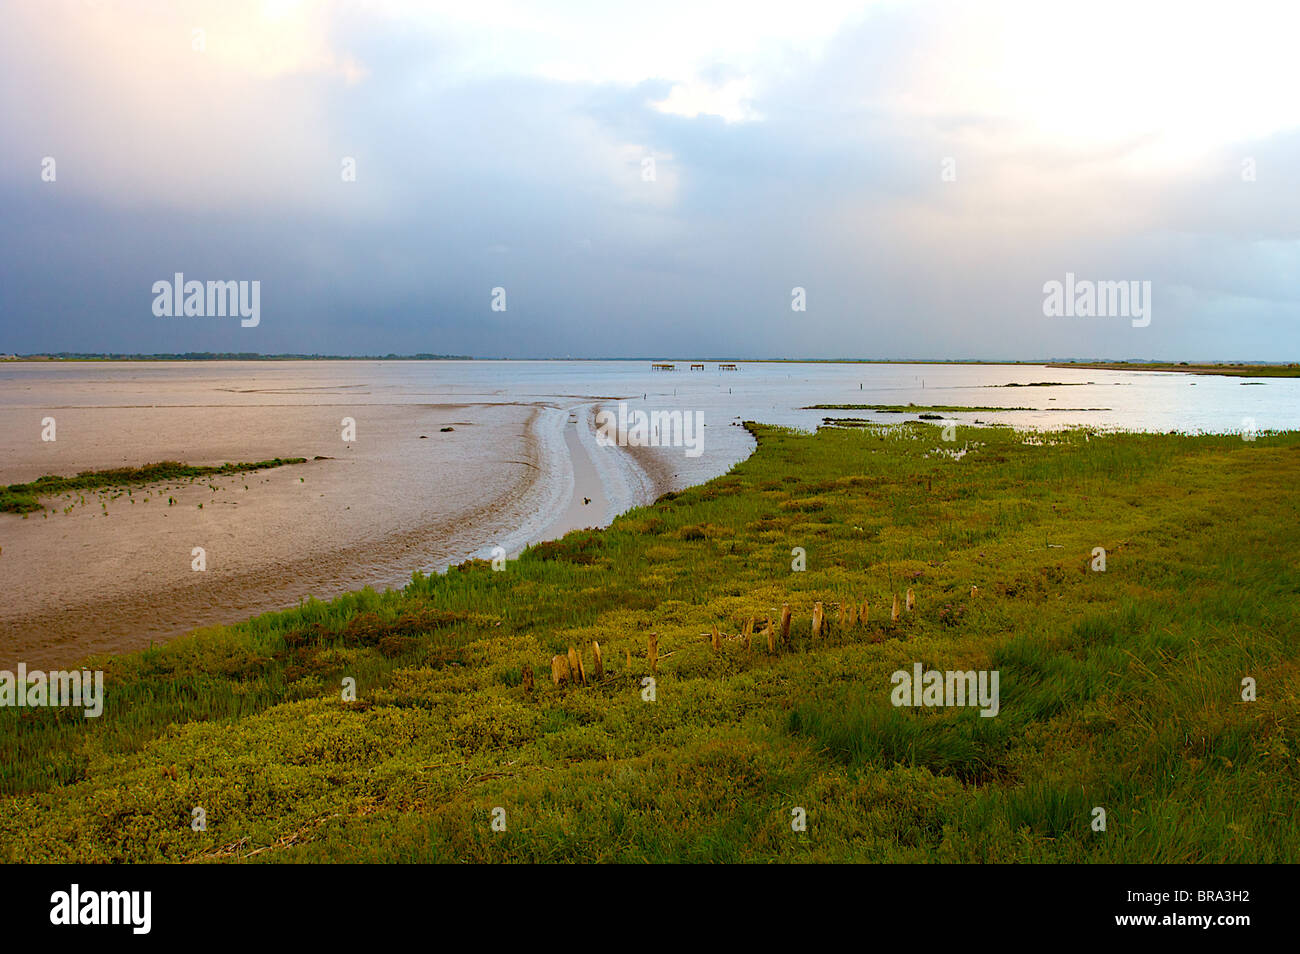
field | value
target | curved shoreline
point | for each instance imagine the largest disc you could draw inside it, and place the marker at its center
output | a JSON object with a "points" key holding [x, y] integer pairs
{"points": [[544, 500]]}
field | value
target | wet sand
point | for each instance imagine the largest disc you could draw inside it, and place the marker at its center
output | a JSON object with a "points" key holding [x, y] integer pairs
{"points": [[588, 502], [115, 574]]}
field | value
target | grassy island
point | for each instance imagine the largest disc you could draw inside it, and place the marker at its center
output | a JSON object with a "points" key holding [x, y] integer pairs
{"points": [[25, 498]]}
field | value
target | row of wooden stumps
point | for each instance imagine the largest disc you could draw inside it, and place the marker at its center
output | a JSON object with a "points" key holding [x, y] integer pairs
{"points": [[778, 632], [570, 668]]}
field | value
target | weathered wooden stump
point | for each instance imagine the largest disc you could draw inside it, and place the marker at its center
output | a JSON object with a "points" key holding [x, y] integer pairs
{"points": [[575, 666]]}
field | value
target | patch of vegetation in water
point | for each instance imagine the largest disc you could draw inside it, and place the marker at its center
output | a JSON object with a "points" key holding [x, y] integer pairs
{"points": [[1043, 384], [25, 498], [1230, 368], [910, 408]]}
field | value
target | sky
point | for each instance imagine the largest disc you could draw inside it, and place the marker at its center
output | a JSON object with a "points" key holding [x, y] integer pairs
{"points": [[671, 179]]}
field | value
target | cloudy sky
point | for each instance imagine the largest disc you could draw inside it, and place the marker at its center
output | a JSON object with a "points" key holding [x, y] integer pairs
{"points": [[919, 169]]}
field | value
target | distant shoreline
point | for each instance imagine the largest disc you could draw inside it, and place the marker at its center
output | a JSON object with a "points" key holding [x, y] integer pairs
{"points": [[1230, 368], [67, 356]]}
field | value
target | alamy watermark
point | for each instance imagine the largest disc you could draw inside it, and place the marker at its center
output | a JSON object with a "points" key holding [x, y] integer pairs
{"points": [[37, 689], [128, 908], [194, 299], [1084, 298], [947, 688], [651, 429]]}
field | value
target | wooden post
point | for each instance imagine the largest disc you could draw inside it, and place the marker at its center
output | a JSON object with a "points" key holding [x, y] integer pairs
{"points": [[652, 652], [575, 666], [862, 614], [893, 616], [785, 622], [911, 600], [771, 637], [527, 680], [817, 620], [560, 669], [598, 662], [717, 638], [843, 616]]}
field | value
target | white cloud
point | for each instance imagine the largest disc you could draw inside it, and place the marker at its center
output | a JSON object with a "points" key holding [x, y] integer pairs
{"points": [[732, 101]]}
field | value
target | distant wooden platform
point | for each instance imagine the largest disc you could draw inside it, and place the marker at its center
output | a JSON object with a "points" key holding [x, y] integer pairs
{"points": [[663, 367], [728, 367]]}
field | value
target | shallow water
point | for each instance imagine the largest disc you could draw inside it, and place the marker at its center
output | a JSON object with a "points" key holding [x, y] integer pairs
{"points": [[521, 463]]}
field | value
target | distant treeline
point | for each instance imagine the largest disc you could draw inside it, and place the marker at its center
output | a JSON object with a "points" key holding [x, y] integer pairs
{"points": [[239, 356]]}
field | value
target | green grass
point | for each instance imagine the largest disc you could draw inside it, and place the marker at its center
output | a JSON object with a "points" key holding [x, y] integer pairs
{"points": [[908, 408], [1119, 690], [24, 498], [1233, 369], [1042, 384]]}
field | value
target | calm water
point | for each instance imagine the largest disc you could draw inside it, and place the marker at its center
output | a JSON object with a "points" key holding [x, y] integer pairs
{"points": [[519, 463]]}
